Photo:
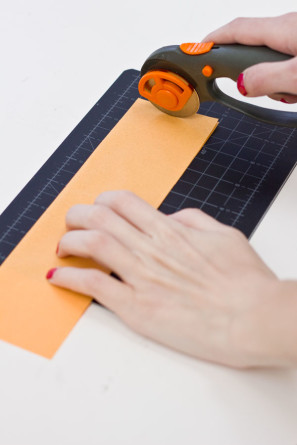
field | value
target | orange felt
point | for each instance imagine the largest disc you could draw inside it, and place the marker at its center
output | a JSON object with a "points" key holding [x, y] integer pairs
{"points": [[146, 153]]}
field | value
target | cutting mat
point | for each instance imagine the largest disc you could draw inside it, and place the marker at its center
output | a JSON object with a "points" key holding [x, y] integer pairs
{"points": [[234, 178]]}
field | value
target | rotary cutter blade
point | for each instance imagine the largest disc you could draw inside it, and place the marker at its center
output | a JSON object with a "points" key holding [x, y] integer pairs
{"points": [[170, 93], [176, 79]]}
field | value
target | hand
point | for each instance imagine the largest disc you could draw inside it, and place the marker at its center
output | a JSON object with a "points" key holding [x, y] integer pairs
{"points": [[187, 281], [279, 33]]}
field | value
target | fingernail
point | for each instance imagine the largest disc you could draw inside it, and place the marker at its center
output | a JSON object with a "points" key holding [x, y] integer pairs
{"points": [[240, 85], [50, 273], [284, 101]]}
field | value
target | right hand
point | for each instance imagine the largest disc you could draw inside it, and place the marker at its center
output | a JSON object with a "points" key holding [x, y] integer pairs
{"points": [[278, 33]]}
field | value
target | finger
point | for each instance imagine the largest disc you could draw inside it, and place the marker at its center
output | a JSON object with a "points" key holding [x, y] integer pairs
{"points": [[266, 79], [134, 209], [100, 247], [82, 216], [103, 218], [285, 98], [289, 99], [260, 31], [197, 219], [108, 291]]}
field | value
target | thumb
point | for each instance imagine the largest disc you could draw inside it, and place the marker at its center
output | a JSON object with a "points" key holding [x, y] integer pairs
{"points": [[269, 79]]}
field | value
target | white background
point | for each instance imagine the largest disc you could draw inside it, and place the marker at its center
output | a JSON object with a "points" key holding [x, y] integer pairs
{"points": [[107, 385]]}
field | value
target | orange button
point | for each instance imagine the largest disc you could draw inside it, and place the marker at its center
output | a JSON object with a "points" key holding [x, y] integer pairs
{"points": [[167, 99], [165, 89], [207, 71], [193, 49]]}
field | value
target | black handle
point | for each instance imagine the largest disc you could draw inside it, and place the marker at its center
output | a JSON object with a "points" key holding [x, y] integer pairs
{"points": [[226, 61]]}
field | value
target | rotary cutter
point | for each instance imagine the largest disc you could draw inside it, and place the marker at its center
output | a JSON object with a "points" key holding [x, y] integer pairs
{"points": [[177, 78]]}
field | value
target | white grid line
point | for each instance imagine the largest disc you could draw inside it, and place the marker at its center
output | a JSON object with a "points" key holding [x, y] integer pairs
{"points": [[201, 176], [259, 183]]}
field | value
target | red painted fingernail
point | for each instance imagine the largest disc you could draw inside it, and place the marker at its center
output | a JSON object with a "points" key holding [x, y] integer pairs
{"points": [[240, 85], [50, 273], [284, 101]]}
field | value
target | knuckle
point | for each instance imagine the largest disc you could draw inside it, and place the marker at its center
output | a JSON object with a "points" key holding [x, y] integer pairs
{"points": [[99, 215], [236, 25], [237, 22], [103, 198], [95, 240], [191, 212], [292, 70], [115, 198], [235, 233], [92, 281], [122, 198], [71, 213]]}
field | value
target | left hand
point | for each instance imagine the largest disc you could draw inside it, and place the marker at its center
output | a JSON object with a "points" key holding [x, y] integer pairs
{"points": [[187, 281]]}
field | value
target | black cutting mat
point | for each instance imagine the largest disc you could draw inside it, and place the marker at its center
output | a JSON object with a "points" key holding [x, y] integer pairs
{"points": [[238, 172], [234, 178]]}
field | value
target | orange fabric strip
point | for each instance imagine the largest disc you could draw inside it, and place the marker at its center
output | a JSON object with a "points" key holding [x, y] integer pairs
{"points": [[146, 153]]}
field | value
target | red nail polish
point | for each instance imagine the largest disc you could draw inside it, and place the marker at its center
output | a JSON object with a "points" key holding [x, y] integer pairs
{"points": [[284, 101], [240, 85], [50, 273]]}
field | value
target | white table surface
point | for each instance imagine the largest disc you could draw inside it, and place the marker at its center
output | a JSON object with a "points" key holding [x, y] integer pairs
{"points": [[106, 385]]}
